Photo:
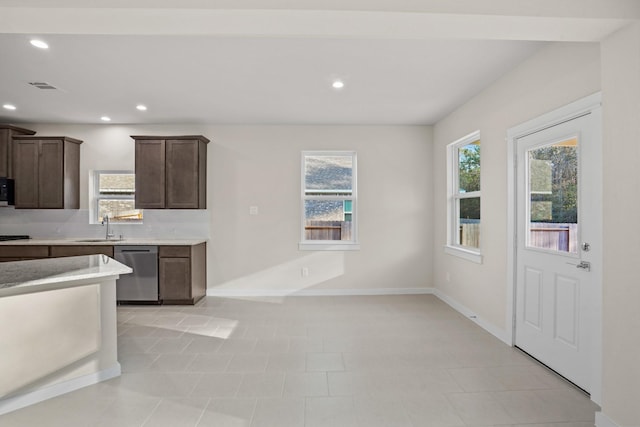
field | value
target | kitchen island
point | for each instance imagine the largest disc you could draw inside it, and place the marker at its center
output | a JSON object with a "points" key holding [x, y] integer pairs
{"points": [[59, 327]]}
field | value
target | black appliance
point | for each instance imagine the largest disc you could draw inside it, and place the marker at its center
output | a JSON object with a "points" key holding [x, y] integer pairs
{"points": [[6, 192]]}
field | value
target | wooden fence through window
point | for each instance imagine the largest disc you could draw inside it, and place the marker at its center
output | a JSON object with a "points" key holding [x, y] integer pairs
{"points": [[559, 237], [327, 230]]}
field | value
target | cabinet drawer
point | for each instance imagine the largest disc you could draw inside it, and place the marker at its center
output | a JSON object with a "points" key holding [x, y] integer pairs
{"points": [[175, 251], [24, 251], [62, 251]]}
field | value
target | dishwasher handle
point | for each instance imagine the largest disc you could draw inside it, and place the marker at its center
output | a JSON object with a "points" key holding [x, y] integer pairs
{"points": [[142, 249]]}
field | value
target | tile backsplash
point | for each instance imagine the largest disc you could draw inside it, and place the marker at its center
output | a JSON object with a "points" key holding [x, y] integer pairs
{"points": [[63, 223]]}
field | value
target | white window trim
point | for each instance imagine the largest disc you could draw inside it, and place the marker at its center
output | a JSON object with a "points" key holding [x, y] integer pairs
{"points": [[95, 197], [461, 252], [330, 245], [452, 248]]}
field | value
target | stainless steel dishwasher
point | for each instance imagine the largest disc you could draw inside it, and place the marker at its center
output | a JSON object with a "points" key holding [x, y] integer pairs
{"points": [[142, 284]]}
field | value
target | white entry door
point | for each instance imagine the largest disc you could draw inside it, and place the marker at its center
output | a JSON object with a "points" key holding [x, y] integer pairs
{"points": [[558, 249]]}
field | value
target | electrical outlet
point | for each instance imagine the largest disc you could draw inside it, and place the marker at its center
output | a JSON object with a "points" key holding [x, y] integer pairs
{"points": [[448, 277], [253, 210]]}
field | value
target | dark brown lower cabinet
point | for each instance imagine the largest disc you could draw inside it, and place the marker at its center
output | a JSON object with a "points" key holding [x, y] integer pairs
{"points": [[74, 250], [21, 253], [26, 252], [182, 273]]}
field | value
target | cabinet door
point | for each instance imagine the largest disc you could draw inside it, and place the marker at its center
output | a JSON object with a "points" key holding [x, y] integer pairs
{"points": [[7, 132], [150, 174], [175, 279], [25, 172], [182, 174], [51, 175]]}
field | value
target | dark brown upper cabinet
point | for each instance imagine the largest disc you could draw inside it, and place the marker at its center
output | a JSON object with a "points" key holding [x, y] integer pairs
{"points": [[7, 132], [171, 172], [46, 170]]}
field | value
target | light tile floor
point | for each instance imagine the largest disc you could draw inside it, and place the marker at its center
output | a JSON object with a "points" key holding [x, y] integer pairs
{"points": [[383, 361]]}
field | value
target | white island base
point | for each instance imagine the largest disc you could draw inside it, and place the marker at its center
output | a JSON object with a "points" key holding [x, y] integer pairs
{"points": [[58, 327]]}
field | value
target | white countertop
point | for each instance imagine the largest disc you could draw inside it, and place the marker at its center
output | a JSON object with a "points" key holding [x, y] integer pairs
{"points": [[89, 241], [21, 277]]}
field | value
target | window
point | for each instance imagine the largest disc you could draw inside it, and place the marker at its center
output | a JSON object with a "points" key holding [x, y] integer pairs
{"points": [[463, 237], [114, 196], [329, 200]]}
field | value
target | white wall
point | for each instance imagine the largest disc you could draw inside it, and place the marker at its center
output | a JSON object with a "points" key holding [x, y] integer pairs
{"points": [[555, 76], [260, 166], [621, 285]]}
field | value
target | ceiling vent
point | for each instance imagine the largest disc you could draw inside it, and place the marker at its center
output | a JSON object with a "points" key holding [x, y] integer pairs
{"points": [[42, 85]]}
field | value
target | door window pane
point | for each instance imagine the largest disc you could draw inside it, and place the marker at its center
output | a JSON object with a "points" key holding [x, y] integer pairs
{"points": [[553, 196]]}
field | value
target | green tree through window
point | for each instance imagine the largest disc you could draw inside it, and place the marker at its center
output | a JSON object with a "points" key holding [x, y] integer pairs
{"points": [[469, 179]]}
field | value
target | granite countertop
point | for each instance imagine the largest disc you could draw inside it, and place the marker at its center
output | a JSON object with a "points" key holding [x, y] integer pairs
{"points": [[88, 241], [20, 277]]}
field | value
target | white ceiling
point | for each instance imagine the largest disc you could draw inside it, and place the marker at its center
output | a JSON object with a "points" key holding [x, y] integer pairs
{"points": [[205, 79], [272, 62]]}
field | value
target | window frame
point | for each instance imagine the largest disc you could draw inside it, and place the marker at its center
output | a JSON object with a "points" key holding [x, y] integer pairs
{"points": [[330, 245], [454, 195], [96, 197]]}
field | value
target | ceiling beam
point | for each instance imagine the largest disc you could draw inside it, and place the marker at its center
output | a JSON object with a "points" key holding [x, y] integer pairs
{"points": [[596, 9], [307, 23]]}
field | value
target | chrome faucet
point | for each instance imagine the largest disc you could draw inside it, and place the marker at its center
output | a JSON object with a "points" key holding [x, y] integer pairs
{"points": [[105, 221]]}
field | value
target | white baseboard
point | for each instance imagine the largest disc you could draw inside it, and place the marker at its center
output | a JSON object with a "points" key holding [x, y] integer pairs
{"points": [[604, 421], [254, 293], [30, 398], [465, 311], [240, 293]]}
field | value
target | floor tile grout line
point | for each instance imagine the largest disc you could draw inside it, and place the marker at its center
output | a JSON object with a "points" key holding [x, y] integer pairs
{"points": [[204, 410], [146, 420]]}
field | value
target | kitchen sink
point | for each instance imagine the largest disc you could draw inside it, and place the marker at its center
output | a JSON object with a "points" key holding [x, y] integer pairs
{"points": [[95, 240]]}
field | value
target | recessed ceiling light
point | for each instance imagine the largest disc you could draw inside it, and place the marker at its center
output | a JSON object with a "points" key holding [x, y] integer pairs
{"points": [[39, 44], [141, 107], [338, 84], [9, 107], [105, 119]]}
